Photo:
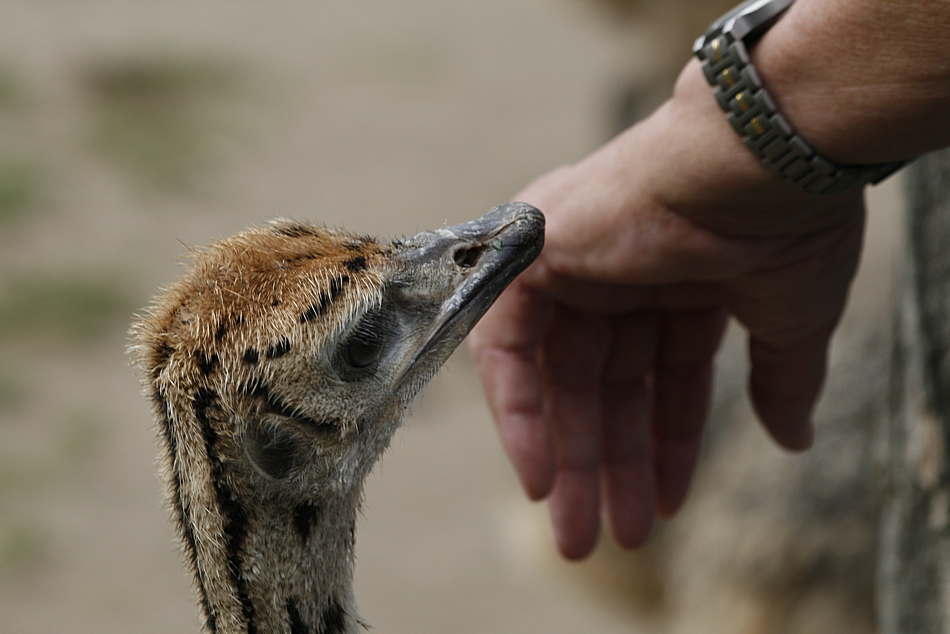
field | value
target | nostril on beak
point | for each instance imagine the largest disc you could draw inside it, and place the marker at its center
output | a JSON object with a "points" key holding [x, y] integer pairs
{"points": [[467, 257]]}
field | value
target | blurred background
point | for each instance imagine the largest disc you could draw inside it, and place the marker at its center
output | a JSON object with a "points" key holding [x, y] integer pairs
{"points": [[130, 131]]}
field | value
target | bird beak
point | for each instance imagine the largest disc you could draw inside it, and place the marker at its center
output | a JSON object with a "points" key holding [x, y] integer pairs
{"points": [[474, 261]]}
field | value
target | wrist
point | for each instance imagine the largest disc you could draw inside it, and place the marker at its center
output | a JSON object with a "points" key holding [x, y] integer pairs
{"points": [[700, 138], [701, 168], [862, 81]]}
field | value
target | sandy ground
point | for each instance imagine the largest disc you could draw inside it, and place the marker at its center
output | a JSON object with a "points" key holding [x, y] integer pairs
{"points": [[130, 129]]}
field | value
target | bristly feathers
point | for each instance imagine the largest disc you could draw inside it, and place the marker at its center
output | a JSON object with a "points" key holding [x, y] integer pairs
{"points": [[278, 369], [225, 324]]}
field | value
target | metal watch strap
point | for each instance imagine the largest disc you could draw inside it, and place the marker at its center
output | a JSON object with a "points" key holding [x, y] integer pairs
{"points": [[753, 113]]}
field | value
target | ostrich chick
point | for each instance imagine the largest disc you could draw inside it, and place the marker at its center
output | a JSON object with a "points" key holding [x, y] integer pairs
{"points": [[278, 370]]}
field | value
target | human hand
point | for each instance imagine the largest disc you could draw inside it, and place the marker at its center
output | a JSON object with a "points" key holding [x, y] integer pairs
{"points": [[597, 361]]}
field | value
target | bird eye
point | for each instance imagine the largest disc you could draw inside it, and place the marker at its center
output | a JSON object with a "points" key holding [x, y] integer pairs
{"points": [[363, 350], [367, 344]]}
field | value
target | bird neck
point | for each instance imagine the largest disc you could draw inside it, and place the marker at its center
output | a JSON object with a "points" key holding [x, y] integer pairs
{"points": [[280, 569], [294, 571], [260, 566]]}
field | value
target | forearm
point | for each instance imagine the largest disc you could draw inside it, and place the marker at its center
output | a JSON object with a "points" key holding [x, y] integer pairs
{"points": [[864, 81]]}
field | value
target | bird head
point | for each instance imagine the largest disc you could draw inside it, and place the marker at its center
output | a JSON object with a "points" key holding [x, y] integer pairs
{"points": [[298, 348]]}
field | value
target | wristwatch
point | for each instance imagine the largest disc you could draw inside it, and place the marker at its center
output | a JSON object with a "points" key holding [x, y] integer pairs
{"points": [[750, 109]]}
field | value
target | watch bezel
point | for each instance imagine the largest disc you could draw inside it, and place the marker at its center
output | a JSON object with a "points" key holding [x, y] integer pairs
{"points": [[745, 21]]}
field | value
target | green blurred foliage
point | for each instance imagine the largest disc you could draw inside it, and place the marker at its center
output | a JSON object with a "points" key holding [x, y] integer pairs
{"points": [[49, 468], [158, 119], [22, 546], [71, 440], [66, 306], [19, 189], [19, 178]]}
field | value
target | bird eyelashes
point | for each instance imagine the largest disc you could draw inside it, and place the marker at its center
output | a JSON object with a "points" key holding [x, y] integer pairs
{"points": [[366, 346]]}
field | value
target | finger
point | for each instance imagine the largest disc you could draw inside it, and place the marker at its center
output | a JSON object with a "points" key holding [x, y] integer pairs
{"points": [[574, 510], [575, 349], [505, 345], [682, 390], [785, 383], [627, 457]]}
